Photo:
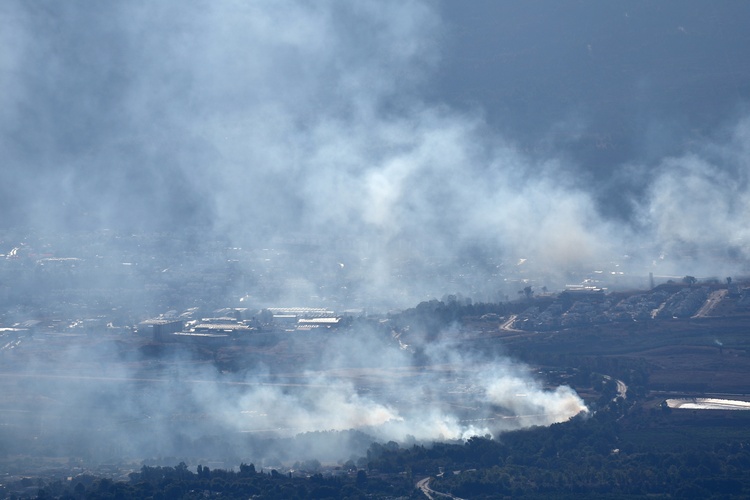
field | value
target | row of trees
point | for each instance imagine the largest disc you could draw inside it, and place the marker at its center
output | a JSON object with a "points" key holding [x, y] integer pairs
{"points": [[180, 482]]}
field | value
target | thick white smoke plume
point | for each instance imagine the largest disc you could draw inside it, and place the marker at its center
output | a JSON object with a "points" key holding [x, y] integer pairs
{"points": [[277, 122], [109, 400]]}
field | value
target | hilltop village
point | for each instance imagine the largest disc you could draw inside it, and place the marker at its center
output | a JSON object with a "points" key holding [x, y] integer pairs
{"points": [[580, 306]]}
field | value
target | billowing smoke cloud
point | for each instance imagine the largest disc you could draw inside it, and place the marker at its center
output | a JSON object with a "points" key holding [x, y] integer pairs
{"points": [[329, 142], [697, 203], [277, 122]]}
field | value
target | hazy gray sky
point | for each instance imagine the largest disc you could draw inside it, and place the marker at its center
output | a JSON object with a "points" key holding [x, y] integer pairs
{"points": [[628, 82]]}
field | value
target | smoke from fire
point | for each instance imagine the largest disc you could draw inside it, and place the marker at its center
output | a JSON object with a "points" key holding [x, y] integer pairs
{"points": [[379, 139]]}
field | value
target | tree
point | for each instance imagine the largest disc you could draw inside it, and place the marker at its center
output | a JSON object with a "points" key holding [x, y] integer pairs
{"points": [[80, 490], [689, 280], [361, 479], [247, 470]]}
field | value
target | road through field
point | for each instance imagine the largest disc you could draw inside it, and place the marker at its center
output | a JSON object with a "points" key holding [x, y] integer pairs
{"points": [[424, 485]]}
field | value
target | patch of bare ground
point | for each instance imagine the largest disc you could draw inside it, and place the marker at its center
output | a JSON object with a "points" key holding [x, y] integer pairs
{"points": [[699, 369], [714, 299]]}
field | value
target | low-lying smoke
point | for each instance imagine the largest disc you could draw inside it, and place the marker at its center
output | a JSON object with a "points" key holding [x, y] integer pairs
{"points": [[103, 401]]}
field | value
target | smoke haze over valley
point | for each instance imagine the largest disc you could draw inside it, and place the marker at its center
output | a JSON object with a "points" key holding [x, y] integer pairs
{"points": [[103, 399], [388, 134], [363, 156]]}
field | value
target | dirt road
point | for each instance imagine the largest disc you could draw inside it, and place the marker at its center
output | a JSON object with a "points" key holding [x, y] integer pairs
{"points": [[424, 485]]}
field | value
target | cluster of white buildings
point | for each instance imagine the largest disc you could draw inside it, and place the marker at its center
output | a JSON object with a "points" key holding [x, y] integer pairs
{"points": [[238, 324]]}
